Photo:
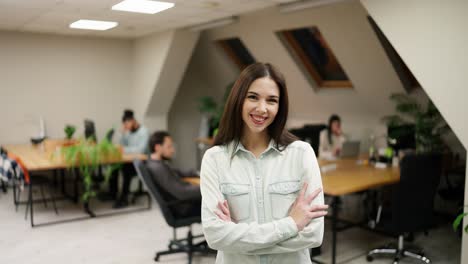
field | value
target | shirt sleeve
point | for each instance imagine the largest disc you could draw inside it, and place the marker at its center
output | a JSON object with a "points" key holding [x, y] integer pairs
{"points": [[325, 149], [312, 235], [241, 238], [168, 182], [186, 173], [141, 142]]}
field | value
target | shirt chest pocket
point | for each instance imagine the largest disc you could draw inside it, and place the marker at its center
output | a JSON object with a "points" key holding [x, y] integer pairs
{"points": [[282, 195], [238, 197]]}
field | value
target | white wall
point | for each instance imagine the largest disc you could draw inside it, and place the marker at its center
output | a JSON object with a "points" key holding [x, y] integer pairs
{"points": [[431, 38], [149, 55], [64, 79], [67, 79], [159, 64]]}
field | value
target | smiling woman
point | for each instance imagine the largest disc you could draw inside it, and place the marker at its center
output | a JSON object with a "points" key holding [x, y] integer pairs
{"points": [[261, 187]]}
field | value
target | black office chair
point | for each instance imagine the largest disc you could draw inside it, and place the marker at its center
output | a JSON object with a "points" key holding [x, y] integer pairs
{"points": [[311, 134], [184, 245], [412, 204]]}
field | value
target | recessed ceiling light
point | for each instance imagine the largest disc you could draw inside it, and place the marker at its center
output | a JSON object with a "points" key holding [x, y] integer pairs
{"points": [[142, 6], [93, 24]]}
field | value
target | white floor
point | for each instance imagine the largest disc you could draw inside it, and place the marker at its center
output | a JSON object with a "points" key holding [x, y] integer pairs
{"points": [[134, 238]]}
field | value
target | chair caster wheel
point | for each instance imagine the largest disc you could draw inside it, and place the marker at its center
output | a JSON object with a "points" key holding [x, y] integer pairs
{"points": [[369, 258]]}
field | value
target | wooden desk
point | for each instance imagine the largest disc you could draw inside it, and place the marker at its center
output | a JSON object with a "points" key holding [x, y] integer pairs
{"points": [[37, 158], [40, 157], [192, 180], [351, 177]]}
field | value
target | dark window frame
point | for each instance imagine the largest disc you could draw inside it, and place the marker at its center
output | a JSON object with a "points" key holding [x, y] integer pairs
{"points": [[232, 53], [308, 67]]}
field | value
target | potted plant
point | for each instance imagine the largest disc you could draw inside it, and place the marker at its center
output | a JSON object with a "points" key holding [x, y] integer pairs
{"points": [[211, 112], [458, 221], [69, 131], [207, 107], [86, 155], [428, 123]]}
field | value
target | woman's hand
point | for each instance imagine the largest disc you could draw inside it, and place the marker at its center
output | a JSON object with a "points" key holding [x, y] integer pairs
{"points": [[223, 211], [301, 210]]}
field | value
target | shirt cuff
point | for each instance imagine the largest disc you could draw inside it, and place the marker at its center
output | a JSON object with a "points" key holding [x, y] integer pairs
{"points": [[287, 227]]}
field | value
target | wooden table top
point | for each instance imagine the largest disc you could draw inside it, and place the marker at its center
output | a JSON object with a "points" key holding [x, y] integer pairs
{"points": [[192, 180], [350, 176], [40, 157], [354, 175]]}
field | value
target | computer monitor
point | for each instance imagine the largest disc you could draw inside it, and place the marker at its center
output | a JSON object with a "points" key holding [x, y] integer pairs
{"points": [[90, 130], [404, 136], [350, 149], [110, 135]]}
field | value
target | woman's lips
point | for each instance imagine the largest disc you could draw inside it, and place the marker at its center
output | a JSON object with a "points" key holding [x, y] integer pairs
{"points": [[258, 120]]}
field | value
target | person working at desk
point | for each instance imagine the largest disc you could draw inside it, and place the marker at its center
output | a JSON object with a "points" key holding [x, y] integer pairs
{"points": [[134, 141], [169, 179], [331, 139]]}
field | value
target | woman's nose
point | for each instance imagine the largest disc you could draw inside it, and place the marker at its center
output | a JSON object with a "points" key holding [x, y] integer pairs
{"points": [[261, 107]]}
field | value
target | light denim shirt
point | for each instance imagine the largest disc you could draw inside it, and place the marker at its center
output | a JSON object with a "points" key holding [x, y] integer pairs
{"points": [[135, 142], [259, 192]]}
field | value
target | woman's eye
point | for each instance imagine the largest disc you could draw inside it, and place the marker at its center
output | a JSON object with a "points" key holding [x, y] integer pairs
{"points": [[273, 101], [252, 97]]}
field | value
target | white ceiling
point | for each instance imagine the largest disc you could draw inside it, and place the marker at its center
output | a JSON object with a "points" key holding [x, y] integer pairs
{"points": [[54, 16]]}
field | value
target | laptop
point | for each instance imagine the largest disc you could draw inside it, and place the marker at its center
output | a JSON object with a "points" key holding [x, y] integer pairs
{"points": [[350, 149]]}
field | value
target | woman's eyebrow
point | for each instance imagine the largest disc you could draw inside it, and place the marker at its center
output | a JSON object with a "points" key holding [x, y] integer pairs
{"points": [[269, 96]]}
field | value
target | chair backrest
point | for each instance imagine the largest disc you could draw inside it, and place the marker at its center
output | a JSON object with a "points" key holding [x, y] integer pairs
{"points": [[310, 133], [404, 136], [413, 201], [154, 190]]}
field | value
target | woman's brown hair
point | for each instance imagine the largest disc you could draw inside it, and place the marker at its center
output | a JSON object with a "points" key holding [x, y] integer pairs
{"points": [[231, 123]]}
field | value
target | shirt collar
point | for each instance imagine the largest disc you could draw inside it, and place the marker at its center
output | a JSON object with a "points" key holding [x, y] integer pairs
{"points": [[239, 147]]}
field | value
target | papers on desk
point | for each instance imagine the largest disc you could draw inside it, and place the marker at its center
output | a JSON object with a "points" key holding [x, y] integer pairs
{"points": [[380, 165], [328, 167]]}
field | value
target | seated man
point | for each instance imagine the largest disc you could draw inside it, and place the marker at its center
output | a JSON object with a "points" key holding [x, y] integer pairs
{"points": [[134, 140], [170, 179]]}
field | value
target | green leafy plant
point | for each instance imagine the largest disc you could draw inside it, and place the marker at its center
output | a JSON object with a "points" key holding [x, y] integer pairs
{"points": [[86, 155], [69, 131], [208, 105], [427, 120], [458, 221]]}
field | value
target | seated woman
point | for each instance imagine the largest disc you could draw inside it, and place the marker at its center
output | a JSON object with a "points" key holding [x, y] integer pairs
{"points": [[331, 139]]}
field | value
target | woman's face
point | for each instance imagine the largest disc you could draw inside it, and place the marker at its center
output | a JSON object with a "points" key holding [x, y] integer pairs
{"points": [[336, 127], [260, 105]]}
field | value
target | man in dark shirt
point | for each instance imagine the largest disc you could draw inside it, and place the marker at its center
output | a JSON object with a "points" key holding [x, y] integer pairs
{"points": [[169, 179]]}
